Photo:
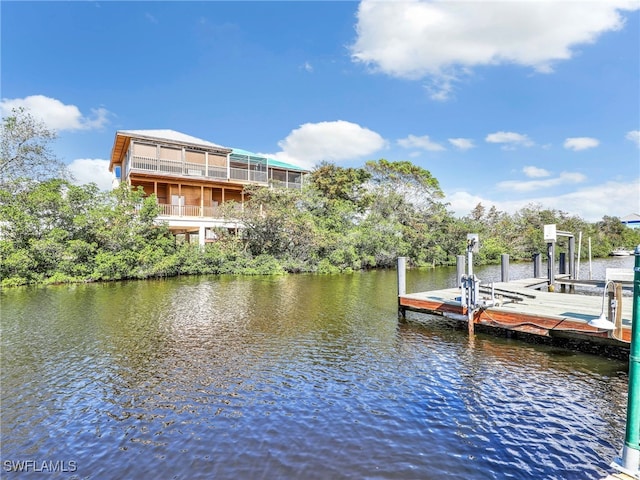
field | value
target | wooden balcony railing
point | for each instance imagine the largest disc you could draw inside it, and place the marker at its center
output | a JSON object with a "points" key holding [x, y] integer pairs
{"points": [[196, 211], [178, 168]]}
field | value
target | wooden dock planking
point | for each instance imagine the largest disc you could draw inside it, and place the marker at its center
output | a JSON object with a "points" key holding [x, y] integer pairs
{"points": [[527, 310]]}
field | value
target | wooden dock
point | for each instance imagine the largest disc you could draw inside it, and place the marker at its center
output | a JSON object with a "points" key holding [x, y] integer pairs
{"points": [[520, 308]]}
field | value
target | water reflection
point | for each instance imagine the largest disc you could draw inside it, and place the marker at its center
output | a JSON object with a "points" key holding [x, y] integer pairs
{"points": [[289, 377]]}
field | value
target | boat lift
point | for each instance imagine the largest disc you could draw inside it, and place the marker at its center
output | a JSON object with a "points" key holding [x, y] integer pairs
{"points": [[469, 283]]}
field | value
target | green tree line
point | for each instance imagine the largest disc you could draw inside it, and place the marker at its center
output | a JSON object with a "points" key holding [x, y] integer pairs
{"points": [[344, 219]]}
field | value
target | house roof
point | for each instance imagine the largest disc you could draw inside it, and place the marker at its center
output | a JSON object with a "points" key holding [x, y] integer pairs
{"points": [[632, 217], [288, 166], [247, 153], [123, 138], [272, 161], [172, 136]]}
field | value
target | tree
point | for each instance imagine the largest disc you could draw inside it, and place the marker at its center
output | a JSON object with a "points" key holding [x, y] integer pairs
{"points": [[45, 229], [407, 208], [25, 152], [477, 214], [416, 183], [56, 231], [277, 223], [338, 183]]}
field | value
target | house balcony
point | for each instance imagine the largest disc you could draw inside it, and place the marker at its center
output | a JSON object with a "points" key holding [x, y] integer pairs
{"points": [[193, 211], [255, 174], [175, 168]]}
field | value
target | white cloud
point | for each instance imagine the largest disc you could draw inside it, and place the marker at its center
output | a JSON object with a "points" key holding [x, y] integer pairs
{"points": [[530, 185], [580, 143], [590, 203], [442, 41], [55, 114], [307, 67], [423, 143], [88, 170], [463, 202], [331, 141], [509, 140], [440, 87], [462, 143], [634, 136], [535, 172], [151, 18]]}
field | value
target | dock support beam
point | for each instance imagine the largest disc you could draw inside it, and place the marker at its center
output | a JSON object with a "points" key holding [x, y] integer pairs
{"points": [[402, 284], [630, 462]]}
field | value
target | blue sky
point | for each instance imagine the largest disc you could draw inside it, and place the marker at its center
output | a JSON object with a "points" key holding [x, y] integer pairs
{"points": [[506, 103]]}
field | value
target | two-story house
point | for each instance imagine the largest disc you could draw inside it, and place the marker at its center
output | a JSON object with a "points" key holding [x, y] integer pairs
{"points": [[192, 178]]}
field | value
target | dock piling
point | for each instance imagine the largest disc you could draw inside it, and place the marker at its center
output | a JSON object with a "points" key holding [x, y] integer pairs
{"points": [[402, 284], [572, 262], [550, 266], [460, 267], [562, 263], [504, 267], [537, 265]]}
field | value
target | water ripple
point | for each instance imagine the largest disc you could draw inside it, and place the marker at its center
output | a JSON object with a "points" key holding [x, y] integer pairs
{"points": [[232, 378]]}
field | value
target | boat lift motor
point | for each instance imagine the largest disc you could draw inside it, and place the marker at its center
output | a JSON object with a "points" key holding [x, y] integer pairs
{"points": [[470, 291]]}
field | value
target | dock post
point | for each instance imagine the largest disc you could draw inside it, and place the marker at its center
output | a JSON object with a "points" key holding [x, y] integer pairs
{"points": [[537, 265], [550, 266], [562, 268], [459, 270], [504, 267], [402, 284], [562, 263], [572, 263], [630, 461]]}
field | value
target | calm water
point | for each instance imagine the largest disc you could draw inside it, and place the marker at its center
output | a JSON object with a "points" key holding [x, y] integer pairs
{"points": [[291, 377]]}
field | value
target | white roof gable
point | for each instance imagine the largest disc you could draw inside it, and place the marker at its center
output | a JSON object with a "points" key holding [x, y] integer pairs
{"points": [[632, 217], [171, 136]]}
